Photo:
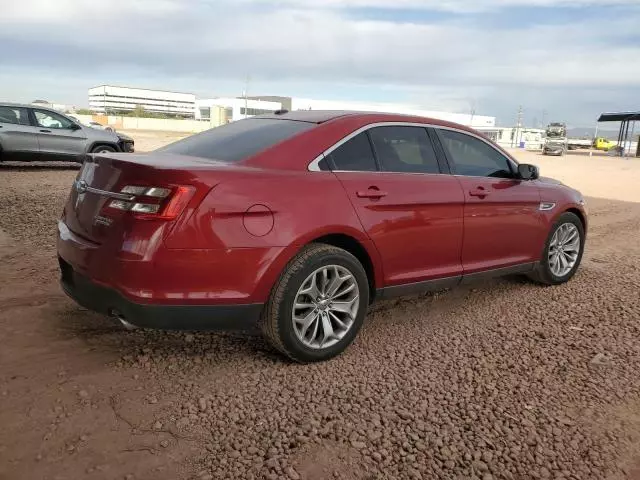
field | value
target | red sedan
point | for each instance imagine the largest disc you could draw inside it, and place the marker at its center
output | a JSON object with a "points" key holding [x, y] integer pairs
{"points": [[293, 223]]}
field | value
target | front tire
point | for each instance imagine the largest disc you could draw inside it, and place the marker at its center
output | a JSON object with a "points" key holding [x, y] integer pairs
{"points": [[318, 304], [103, 149], [562, 251]]}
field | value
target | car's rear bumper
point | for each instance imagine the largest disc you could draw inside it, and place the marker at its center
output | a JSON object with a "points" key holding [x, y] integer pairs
{"points": [[102, 299]]}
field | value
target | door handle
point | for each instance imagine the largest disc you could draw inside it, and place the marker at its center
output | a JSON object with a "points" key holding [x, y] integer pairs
{"points": [[45, 131], [372, 192], [479, 192]]}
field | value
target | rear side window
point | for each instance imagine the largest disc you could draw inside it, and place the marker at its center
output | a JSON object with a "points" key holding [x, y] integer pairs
{"points": [[237, 140], [354, 155], [14, 115], [404, 149]]}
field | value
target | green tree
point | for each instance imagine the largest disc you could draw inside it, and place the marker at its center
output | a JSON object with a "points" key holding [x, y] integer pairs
{"points": [[84, 111], [139, 112]]}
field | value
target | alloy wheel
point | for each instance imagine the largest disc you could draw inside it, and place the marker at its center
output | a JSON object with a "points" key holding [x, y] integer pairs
{"points": [[564, 249], [325, 306]]}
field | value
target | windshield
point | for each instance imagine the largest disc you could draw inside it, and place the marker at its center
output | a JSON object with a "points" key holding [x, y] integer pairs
{"points": [[239, 140]]}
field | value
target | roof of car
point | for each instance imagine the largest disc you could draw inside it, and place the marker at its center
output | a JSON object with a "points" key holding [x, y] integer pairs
{"points": [[13, 104], [311, 116], [28, 105], [322, 116]]}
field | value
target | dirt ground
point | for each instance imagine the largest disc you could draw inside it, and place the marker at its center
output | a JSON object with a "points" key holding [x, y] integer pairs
{"points": [[503, 380], [146, 140]]}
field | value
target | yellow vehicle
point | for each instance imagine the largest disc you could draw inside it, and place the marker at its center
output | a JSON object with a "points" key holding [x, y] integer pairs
{"points": [[603, 144]]}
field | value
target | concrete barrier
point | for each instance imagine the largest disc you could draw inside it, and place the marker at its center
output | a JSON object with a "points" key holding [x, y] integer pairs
{"points": [[152, 124]]}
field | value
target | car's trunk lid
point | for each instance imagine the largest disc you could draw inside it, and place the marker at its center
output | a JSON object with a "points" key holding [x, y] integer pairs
{"points": [[100, 181]]}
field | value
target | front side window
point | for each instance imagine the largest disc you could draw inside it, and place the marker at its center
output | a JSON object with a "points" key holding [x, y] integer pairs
{"points": [[239, 140], [14, 115], [52, 120], [473, 157], [355, 155], [404, 149]]}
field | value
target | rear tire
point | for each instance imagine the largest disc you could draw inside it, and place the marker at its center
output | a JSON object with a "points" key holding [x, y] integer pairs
{"points": [[324, 322], [103, 149], [549, 272]]}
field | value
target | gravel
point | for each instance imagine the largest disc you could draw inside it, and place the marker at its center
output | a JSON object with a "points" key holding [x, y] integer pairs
{"points": [[505, 380]]}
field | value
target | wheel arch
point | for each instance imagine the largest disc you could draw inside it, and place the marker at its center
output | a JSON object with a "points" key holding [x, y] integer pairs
{"points": [[358, 250], [103, 143], [580, 214], [354, 242]]}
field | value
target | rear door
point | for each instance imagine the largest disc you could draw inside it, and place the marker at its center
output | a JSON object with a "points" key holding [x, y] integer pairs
{"points": [[410, 209], [18, 138], [502, 223], [60, 139]]}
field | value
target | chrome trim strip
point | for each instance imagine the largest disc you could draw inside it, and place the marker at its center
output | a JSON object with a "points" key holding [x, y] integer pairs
{"points": [[106, 193], [546, 206], [82, 187], [388, 173], [314, 165]]}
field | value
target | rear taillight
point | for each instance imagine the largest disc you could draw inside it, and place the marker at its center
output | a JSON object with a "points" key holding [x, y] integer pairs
{"points": [[165, 203]]}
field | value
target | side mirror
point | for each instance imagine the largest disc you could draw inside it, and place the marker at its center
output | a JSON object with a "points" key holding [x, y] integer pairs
{"points": [[74, 127], [528, 172]]}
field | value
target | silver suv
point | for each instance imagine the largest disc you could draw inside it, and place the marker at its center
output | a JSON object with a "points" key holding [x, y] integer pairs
{"points": [[30, 133]]}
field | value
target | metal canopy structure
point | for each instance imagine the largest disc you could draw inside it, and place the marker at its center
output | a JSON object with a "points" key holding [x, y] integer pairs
{"points": [[626, 119], [619, 116]]}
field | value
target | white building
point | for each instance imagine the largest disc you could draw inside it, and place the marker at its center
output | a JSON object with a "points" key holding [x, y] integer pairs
{"points": [[234, 108], [515, 137], [462, 118], [111, 99]]}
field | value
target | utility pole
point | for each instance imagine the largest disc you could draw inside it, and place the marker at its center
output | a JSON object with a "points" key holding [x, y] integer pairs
{"points": [[246, 88], [516, 135]]}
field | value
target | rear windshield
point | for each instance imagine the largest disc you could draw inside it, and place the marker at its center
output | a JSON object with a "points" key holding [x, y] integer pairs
{"points": [[237, 140]]}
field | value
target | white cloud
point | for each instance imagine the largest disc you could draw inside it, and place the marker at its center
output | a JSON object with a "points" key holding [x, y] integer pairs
{"points": [[452, 63], [69, 11], [441, 5]]}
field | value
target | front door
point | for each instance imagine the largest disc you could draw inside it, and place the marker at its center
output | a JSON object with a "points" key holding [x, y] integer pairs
{"points": [[18, 138], [502, 223], [60, 139], [410, 210]]}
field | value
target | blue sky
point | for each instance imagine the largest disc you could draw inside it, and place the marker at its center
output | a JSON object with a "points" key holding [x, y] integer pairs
{"points": [[560, 59]]}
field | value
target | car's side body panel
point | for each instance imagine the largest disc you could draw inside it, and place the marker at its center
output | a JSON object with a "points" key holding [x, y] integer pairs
{"points": [[19, 142], [271, 210], [504, 227], [62, 145], [18, 135], [417, 226]]}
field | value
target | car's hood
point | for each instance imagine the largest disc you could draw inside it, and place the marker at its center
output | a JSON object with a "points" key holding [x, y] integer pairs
{"points": [[550, 181], [122, 136], [98, 134]]}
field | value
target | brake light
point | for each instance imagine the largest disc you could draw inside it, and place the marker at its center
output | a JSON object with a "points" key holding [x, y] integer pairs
{"points": [[154, 202], [178, 202]]}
